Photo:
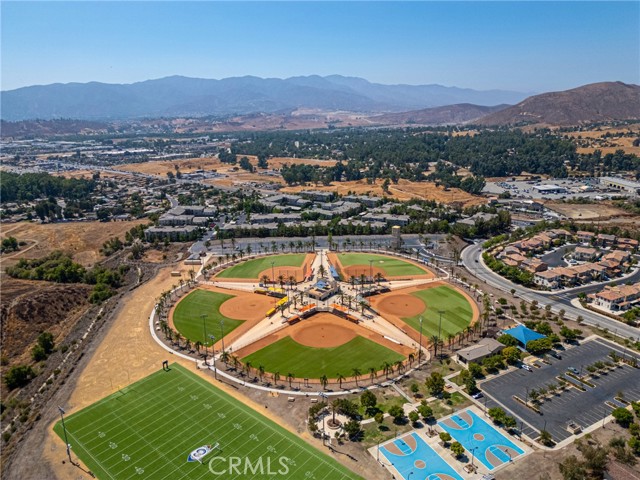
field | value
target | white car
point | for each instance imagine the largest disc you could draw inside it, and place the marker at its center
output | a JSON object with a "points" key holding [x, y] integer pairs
{"points": [[527, 368]]}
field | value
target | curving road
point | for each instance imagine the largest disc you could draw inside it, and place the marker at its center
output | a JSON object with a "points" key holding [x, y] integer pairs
{"points": [[472, 260]]}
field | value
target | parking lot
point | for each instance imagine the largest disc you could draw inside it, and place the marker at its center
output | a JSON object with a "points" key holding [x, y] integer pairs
{"points": [[587, 188], [584, 408]]}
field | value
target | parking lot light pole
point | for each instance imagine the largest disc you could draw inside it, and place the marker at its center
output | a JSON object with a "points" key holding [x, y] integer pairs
{"points": [[222, 334]]}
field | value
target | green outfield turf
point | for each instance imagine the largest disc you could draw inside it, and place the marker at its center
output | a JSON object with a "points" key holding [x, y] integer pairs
{"points": [[457, 312], [252, 268], [392, 267], [188, 321], [148, 430], [288, 356]]}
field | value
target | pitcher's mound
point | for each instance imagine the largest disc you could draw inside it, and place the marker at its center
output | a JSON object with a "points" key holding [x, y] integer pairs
{"points": [[324, 330], [402, 305]]}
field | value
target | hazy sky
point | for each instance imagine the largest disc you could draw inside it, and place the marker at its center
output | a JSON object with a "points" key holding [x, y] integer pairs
{"points": [[524, 46]]}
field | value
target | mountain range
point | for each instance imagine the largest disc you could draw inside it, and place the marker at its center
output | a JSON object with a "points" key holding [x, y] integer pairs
{"points": [[194, 97]]}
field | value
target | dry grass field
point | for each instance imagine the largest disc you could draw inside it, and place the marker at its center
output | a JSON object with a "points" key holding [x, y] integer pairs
{"points": [[82, 239], [404, 190], [596, 141]]}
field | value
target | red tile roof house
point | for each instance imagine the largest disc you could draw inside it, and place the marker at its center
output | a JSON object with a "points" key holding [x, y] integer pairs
{"points": [[619, 256], [585, 237], [547, 278], [627, 244], [605, 240], [585, 254], [534, 265], [617, 298]]}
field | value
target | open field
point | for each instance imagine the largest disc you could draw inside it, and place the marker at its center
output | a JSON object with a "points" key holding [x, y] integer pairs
{"points": [[81, 239], [403, 190], [254, 269], [408, 305], [588, 211], [357, 263], [288, 356], [149, 428]]}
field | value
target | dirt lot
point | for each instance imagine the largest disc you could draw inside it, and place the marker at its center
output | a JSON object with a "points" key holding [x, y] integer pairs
{"points": [[82, 239], [589, 211], [404, 190]]}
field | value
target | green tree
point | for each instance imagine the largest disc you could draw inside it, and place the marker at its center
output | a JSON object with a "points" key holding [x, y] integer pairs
{"points": [[18, 376], [435, 383], [414, 417], [426, 411], [623, 417], [572, 469], [352, 428], [368, 399], [445, 437], [475, 370], [457, 449], [397, 413], [45, 340], [511, 355]]}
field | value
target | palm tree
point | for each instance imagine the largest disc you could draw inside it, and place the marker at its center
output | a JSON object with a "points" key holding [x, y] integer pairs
{"points": [[335, 406], [276, 378], [411, 359], [290, 377], [399, 366], [378, 277], [198, 346], [291, 245], [235, 361], [434, 341], [225, 357], [372, 374], [450, 338], [292, 281], [340, 379], [324, 381], [321, 271], [247, 368], [261, 371], [249, 250], [362, 304], [265, 279], [281, 280], [187, 344], [283, 247], [386, 367], [356, 374]]}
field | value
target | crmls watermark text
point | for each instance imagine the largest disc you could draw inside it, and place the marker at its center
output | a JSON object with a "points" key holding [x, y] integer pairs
{"points": [[246, 466]]}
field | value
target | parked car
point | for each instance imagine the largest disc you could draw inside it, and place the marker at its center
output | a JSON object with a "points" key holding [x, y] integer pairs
{"points": [[555, 354], [573, 370], [477, 395], [527, 367]]}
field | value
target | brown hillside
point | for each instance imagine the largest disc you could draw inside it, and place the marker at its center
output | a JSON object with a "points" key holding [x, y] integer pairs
{"points": [[447, 115], [590, 103]]}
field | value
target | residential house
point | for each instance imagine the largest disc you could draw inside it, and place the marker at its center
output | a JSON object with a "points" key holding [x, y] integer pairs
{"points": [[618, 297], [585, 237], [547, 278], [585, 254]]}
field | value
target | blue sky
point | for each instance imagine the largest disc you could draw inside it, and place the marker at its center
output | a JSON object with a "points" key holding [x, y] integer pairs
{"points": [[524, 46]]}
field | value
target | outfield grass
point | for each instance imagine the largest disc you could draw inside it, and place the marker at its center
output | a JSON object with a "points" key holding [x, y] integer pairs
{"points": [[457, 312], [393, 267], [148, 430], [187, 319], [252, 268], [288, 356]]}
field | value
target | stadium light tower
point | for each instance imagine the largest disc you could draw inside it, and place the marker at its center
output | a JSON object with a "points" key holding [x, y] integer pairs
{"points": [[204, 328], [64, 429], [222, 334], [420, 343], [273, 276], [213, 355]]}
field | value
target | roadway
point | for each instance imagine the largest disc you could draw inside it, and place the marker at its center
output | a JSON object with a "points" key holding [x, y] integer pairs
{"points": [[471, 258]]}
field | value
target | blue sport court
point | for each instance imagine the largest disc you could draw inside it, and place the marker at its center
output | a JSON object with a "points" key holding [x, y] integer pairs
{"points": [[412, 457], [492, 448]]}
